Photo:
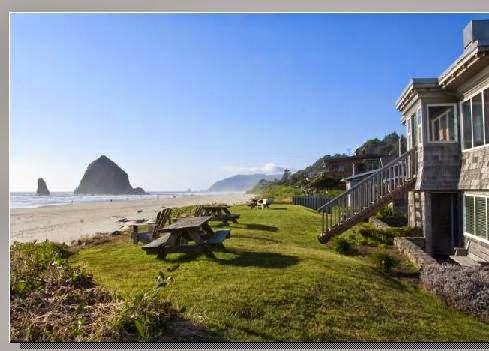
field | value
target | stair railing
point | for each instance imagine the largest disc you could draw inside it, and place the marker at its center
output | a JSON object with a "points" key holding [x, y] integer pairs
{"points": [[370, 190]]}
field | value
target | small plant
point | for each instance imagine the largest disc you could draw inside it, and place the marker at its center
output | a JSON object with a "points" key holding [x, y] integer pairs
{"points": [[391, 217], [342, 246], [145, 317], [384, 262]]}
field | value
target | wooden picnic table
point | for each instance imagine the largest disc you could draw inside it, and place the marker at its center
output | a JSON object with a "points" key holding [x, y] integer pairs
{"points": [[219, 212], [185, 230]]}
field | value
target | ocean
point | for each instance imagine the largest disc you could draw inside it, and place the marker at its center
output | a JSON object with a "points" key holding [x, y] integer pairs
{"points": [[31, 200]]}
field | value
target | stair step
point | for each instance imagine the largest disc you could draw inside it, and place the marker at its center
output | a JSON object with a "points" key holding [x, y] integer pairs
{"points": [[460, 251]]}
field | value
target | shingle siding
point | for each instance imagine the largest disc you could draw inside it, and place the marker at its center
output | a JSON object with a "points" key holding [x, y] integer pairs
{"points": [[474, 173]]}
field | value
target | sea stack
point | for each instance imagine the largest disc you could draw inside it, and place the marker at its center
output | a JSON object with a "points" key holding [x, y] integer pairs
{"points": [[103, 176], [42, 188]]}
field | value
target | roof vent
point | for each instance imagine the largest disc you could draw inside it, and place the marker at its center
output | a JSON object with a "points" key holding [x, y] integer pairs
{"points": [[476, 31]]}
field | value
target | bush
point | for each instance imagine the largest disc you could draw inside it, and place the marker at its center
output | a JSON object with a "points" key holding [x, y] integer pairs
{"points": [[391, 217], [145, 317], [384, 262], [52, 301], [386, 236], [377, 235], [464, 288], [342, 246]]}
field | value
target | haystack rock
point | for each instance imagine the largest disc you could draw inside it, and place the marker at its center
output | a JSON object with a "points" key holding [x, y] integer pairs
{"points": [[103, 176], [42, 188]]}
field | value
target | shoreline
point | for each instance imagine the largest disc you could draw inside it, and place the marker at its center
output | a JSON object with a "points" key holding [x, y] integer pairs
{"points": [[68, 222], [65, 198]]}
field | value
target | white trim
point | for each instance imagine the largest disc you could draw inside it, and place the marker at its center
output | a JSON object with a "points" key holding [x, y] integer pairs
{"points": [[476, 148], [464, 222], [469, 97], [478, 238], [455, 125], [419, 124]]}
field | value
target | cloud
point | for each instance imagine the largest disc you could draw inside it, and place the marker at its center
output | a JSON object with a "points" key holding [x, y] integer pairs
{"points": [[268, 169]]}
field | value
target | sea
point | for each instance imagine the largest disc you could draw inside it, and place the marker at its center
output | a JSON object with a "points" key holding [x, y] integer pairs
{"points": [[31, 200]]}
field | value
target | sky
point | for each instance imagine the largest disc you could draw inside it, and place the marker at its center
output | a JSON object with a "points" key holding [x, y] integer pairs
{"points": [[182, 100]]}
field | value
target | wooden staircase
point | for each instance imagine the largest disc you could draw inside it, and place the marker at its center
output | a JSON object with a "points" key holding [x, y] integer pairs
{"points": [[369, 195]]}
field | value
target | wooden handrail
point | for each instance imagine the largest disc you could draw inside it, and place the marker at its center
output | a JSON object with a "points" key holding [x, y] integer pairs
{"points": [[370, 190]]}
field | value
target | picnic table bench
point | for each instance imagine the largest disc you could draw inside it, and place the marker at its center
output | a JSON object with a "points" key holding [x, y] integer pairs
{"points": [[178, 235], [218, 213]]}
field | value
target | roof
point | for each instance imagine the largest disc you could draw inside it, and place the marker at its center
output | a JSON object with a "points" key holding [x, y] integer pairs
{"points": [[414, 84], [469, 62]]}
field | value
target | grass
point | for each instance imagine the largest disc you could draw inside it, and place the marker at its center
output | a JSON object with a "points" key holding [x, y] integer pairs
{"points": [[275, 282], [281, 193]]}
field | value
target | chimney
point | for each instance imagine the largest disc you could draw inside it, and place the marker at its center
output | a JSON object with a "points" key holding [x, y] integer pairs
{"points": [[476, 31]]}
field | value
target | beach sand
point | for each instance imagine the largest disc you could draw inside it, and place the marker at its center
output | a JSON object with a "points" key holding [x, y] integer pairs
{"points": [[70, 222]]}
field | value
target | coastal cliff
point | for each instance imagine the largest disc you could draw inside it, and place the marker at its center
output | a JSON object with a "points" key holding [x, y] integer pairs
{"points": [[42, 188], [104, 176]]}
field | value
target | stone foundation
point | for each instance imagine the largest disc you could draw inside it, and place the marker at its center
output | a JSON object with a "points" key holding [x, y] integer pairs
{"points": [[414, 252]]}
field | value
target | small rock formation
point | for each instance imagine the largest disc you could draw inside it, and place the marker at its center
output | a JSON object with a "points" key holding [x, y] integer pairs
{"points": [[42, 188], [103, 176]]}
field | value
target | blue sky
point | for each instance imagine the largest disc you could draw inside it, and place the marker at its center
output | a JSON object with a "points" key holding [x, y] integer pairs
{"points": [[182, 100]]}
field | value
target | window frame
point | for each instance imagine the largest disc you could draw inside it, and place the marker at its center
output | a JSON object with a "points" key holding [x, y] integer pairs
{"points": [[479, 90], [419, 124], [470, 235], [455, 121]]}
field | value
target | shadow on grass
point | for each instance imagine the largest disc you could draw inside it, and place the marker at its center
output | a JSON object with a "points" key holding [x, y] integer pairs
{"points": [[255, 226], [278, 208], [242, 259], [259, 238], [187, 331], [257, 259]]}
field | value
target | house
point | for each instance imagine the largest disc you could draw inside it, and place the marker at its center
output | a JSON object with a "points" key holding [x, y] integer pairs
{"points": [[447, 122], [344, 166], [445, 171]]}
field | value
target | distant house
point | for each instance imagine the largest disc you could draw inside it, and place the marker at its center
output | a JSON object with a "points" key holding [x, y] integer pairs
{"points": [[344, 166], [445, 171]]}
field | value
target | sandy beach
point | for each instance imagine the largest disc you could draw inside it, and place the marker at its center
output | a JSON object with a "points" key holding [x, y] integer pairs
{"points": [[70, 222]]}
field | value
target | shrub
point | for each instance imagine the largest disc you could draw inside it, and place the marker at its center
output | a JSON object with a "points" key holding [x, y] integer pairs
{"points": [[391, 217], [342, 246], [377, 235], [464, 288], [386, 236], [52, 301], [144, 317], [384, 262]]}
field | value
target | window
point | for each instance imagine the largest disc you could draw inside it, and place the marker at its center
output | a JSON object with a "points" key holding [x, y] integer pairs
{"points": [[414, 132], [486, 113], [480, 217], [476, 214], [475, 126], [409, 131], [469, 214], [467, 124], [441, 123], [477, 122], [419, 119]]}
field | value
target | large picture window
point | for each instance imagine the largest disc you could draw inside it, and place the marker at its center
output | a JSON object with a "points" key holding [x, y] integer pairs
{"points": [[476, 211], [442, 121], [475, 121]]}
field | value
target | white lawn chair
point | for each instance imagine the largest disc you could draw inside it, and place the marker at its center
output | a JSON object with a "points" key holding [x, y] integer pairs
{"points": [[262, 203]]}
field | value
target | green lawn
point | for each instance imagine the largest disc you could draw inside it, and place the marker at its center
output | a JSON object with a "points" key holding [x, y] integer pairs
{"points": [[275, 282]]}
